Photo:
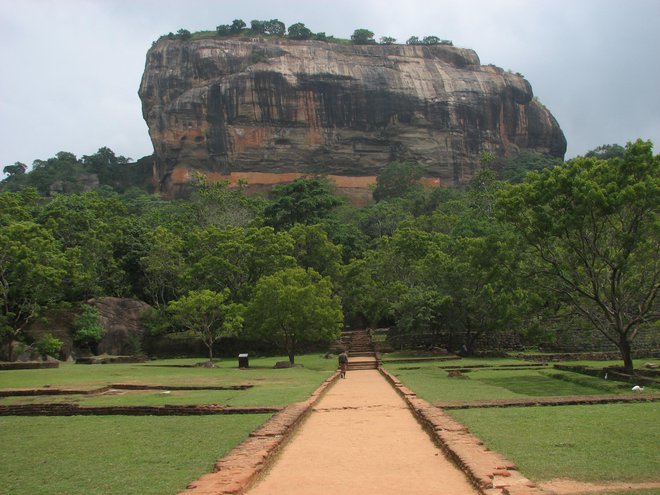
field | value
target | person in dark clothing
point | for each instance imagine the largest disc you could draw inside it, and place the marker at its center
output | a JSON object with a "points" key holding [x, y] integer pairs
{"points": [[343, 364]]}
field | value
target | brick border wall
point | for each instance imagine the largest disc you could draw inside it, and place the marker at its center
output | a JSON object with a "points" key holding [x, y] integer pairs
{"points": [[23, 392], [167, 410], [489, 471], [550, 401], [240, 468], [29, 365]]}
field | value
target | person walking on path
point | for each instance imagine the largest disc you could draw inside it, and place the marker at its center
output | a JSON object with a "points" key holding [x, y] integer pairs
{"points": [[343, 364]]}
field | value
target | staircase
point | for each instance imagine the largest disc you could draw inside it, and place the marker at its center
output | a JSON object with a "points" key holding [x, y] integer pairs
{"points": [[361, 354]]}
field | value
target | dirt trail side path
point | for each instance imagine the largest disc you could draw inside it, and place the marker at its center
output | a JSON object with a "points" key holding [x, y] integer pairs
{"points": [[362, 438]]}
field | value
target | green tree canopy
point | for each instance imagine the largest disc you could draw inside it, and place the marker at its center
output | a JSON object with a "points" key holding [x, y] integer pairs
{"points": [[163, 266], [236, 258], [313, 249], [90, 227], [293, 307], [33, 272], [237, 26], [298, 31], [17, 168], [593, 224], [398, 179], [363, 37], [88, 331], [306, 201], [208, 314], [275, 27], [606, 151]]}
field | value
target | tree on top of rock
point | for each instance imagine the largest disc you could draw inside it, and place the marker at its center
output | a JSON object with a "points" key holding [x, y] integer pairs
{"points": [[363, 37], [298, 31]]}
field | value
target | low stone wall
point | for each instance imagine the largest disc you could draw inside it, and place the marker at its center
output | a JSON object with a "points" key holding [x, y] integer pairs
{"points": [[489, 471], [235, 472], [549, 401], [31, 365], [591, 340], [18, 392], [112, 359], [586, 356], [641, 377], [76, 410]]}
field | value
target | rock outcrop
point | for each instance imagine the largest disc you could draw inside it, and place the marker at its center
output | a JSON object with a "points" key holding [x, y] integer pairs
{"points": [[120, 319], [269, 110]]}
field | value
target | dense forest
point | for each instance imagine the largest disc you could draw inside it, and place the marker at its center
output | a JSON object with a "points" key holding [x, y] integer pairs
{"points": [[532, 248]]}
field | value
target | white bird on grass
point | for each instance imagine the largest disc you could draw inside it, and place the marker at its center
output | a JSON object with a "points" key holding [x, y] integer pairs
{"points": [[637, 388]]}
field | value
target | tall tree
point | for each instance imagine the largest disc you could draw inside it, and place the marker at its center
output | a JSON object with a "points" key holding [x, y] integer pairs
{"points": [[306, 201], [363, 37], [163, 266], [313, 249], [33, 270], [275, 27], [294, 307], [298, 31], [236, 258], [208, 314], [237, 26], [398, 179], [90, 226], [594, 226]]}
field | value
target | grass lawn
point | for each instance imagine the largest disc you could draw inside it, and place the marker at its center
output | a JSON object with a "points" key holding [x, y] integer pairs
{"points": [[139, 455], [598, 443], [106, 455], [650, 491], [431, 382], [271, 387]]}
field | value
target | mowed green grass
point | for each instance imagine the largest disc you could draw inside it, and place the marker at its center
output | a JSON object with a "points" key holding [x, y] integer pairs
{"points": [[139, 454], [107, 455], [595, 443], [270, 387], [432, 383]]}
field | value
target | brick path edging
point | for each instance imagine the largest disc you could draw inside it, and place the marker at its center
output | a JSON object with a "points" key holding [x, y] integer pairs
{"points": [[24, 392], [237, 470], [56, 409], [489, 471]]}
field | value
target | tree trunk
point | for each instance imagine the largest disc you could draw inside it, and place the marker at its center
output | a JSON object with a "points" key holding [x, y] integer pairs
{"points": [[210, 346], [290, 343], [626, 354], [10, 349]]}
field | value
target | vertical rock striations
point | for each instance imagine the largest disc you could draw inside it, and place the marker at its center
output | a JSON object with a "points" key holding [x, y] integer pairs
{"points": [[271, 109]]}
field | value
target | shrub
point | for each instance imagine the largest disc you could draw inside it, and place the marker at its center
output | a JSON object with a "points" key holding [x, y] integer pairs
{"points": [[49, 346], [88, 331]]}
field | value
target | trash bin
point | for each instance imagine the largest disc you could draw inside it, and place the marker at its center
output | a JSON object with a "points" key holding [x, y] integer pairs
{"points": [[243, 361]]}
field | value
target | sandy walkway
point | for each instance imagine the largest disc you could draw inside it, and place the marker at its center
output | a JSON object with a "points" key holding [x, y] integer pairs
{"points": [[361, 438]]}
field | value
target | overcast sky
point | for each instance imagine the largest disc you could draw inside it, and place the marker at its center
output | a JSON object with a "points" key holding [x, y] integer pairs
{"points": [[71, 68]]}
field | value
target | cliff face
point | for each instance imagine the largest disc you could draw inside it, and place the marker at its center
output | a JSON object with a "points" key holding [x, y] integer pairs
{"points": [[268, 110]]}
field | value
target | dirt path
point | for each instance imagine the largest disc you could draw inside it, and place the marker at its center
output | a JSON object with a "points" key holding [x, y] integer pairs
{"points": [[361, 438]]}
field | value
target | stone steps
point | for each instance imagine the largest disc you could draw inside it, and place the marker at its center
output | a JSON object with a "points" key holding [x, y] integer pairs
{"points": [[361, 354]]}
